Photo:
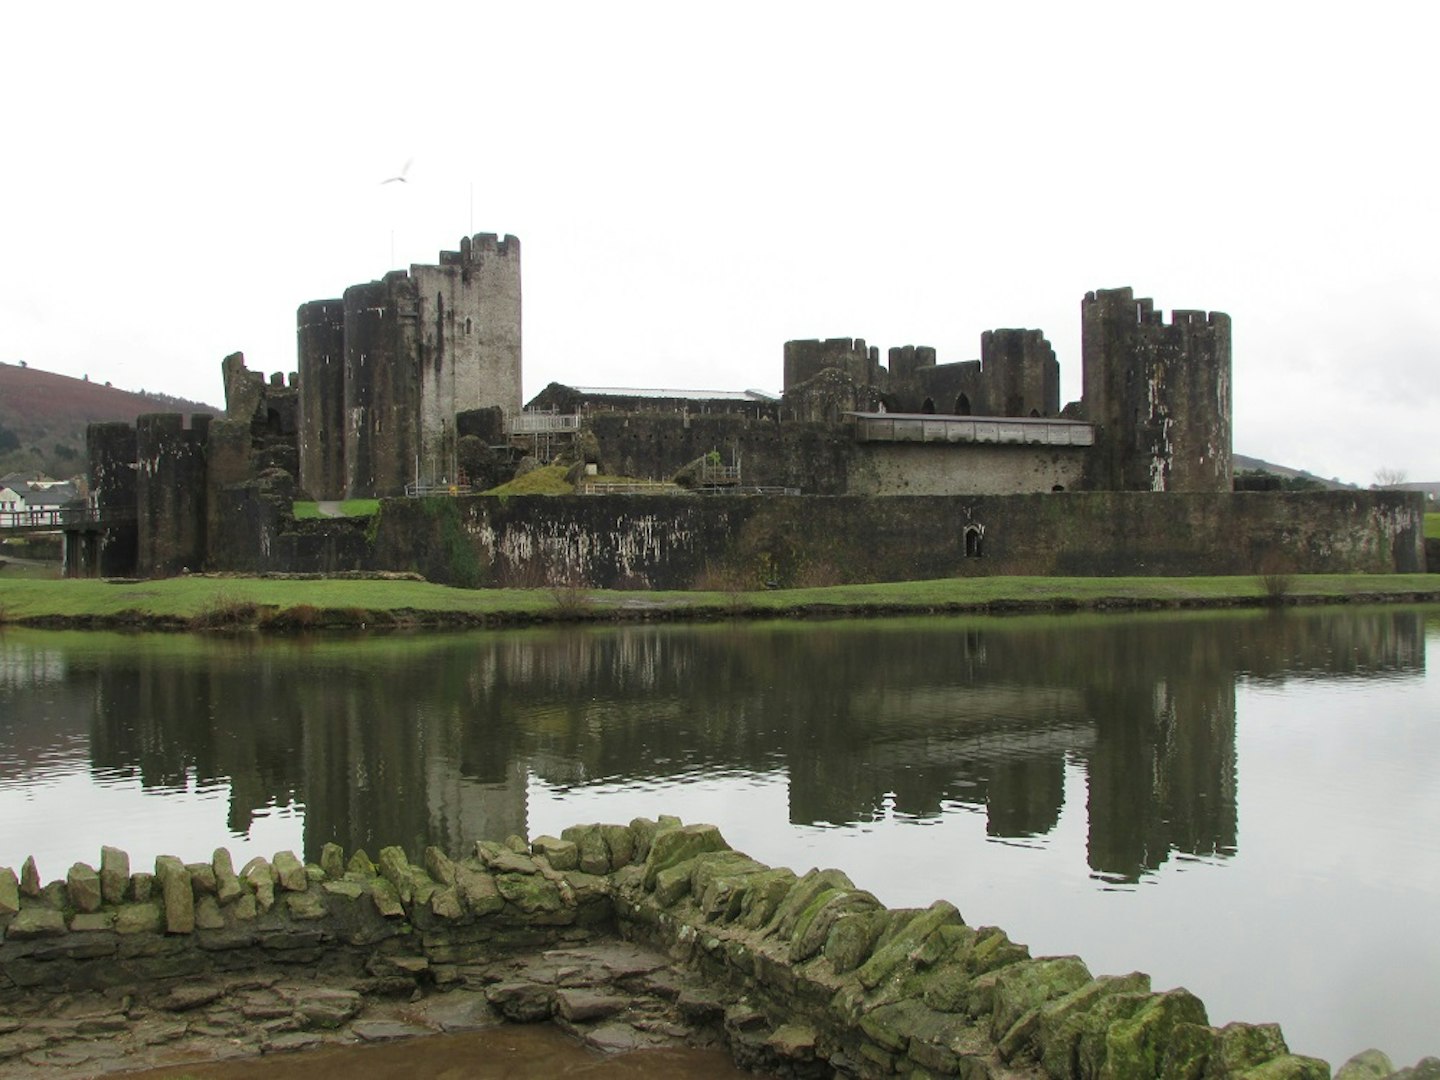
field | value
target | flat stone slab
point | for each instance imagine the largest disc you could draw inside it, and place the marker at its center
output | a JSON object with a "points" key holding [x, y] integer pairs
{"points": [[387, 1030]]}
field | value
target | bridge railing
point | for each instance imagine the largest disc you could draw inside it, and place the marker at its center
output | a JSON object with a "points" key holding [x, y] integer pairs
{"points": [[61, 517]]}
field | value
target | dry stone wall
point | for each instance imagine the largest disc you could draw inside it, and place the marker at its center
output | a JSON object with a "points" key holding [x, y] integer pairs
{"points": [[800, 974]]}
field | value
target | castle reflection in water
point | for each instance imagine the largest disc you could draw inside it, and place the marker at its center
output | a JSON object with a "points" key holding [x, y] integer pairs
{"points": [[433, 739]]}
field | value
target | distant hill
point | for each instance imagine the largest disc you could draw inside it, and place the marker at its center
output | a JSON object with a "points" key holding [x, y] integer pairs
{"points": [[1251, 464], [43, 417]]}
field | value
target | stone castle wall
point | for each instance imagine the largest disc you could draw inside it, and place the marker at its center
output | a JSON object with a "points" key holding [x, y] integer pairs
{"points": [[804, 974], [674, 542]]}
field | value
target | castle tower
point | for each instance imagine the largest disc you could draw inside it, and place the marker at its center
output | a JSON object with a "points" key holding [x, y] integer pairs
{"points": [[384, 370], [320, 326], [1020, 373], [1159, 393]]}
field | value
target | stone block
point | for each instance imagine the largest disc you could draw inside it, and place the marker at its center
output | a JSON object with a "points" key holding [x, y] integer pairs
{"points": [[202, 878], [672, 846], [332, 860], [896, 951], [82, 887], [176, 894], [114, 874], [1369, 1064], [29, 878], [140, 918], [439, 866], [560, 854], [36, 922], [9, 891], [290, 872]]}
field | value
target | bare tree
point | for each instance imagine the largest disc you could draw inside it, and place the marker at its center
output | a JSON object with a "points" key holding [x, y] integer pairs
{"points": [[1388, 476]]}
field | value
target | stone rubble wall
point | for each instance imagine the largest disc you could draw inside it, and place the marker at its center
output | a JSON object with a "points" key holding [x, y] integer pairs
{"points": [[807, 974]]}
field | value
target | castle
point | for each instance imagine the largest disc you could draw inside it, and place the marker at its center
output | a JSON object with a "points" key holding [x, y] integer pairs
{"points": [[409, 383]]}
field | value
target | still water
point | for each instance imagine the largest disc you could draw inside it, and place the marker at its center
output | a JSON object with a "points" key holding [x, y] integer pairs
{"points": [[1242, 804]]}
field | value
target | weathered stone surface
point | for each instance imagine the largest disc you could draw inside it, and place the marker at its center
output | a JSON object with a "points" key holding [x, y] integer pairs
{"points": [[176, 894], [853, 937], [114, 874], [439, 866], [1369, 1064], [1427, 1068], [502, 860], [815, 923], [208, 913], [9, 891], [1135, 1046], [718, 882], [793, 1041], [386, 899], [92, 922], [580, 1005], [360, 865], [36, 922], [643, 831], [891, 954], [764, 893], [29, 878], [1288, 1067], [594, 852], [672, 846], [259, 879], [82, 886], [621, 843], [531, 893], [332, 860], [561, 854], [671, 884], [306, 906], [1243, 1046], [324, 1007], [478, 890], [290, 872], [1024, 987], [445, 903], [202, 878], [523, 1002], [350, 890], [386, 1030], [227, 883], [191, 996], [1064, 1020], [147, 918], [142, 886]]}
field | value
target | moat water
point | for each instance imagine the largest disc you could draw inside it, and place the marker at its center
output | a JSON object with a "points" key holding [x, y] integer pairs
{"points": [[1244, 804]]}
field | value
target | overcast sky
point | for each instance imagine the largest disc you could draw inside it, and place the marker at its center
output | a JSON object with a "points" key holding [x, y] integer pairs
{"points": [[695, 184]]}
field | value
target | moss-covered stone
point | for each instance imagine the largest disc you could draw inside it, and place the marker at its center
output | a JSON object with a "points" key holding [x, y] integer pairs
{"points": [[332, 860], [530, 893], [673, 846], [146, 918], [500, 859], [34, 921], [1025, 986], [764, 893], [672, 883], [1135, 1045], [815, 923], [621, 843], [896, 951], [29, 878], [643, 831], [1243, 1046], [308, 905], [1369, 1064], [82, 887], [290, 872], [1288, 1067], [208, 915], [439, 866], [1064, 1020], [176, 894], [993, 950], [202, 878], [360, 864], [114, 874], [852, 937], [477, 889], [394, 867], [560, 854], [9, 891], [805, 892], [1188, 1052], [227, 883], [385, 898]]}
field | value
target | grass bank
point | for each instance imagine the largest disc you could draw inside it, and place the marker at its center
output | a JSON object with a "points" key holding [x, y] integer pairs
{"points": [[203, 602]]}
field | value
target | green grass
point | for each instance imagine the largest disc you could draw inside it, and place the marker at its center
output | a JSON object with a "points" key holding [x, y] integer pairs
{"points": [[348, 508], [219, 601], [546, 480], [1432, 526]]}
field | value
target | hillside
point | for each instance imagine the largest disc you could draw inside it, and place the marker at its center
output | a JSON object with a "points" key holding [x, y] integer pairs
{"points": [[43, 417]]}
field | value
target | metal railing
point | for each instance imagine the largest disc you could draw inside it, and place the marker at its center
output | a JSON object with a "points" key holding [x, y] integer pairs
{"points": [[64, 517], [424, 490], [542, 423]]}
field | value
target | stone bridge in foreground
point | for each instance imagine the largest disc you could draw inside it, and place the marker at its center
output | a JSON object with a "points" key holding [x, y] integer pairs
{"points": [[626, 936]]}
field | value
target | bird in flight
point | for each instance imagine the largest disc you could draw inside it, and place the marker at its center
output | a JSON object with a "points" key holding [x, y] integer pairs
{"points": [[399, 178]]}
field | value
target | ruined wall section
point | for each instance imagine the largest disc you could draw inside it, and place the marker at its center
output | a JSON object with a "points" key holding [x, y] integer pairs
{"points": [[110, 448], [382, 387], [1021, 372], [468, 335], [1159, 393], [806, 359], [170, 488], [320, 330]]}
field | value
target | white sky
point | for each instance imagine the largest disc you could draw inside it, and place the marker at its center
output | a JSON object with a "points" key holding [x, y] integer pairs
{"points": [[695, 184]]}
